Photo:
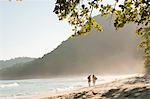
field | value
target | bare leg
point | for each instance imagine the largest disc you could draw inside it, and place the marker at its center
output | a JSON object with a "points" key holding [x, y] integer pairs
{"points": [[93, 83], [89, 84]]}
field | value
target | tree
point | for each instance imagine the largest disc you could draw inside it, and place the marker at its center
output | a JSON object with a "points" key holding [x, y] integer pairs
{"points": [[78, 13]]}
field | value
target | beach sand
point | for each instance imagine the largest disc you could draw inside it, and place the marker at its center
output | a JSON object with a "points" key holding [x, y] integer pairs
{"points": [[129, 88]]}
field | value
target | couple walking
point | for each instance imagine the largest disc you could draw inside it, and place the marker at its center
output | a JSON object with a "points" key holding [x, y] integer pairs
{"points": [[94, 78]]}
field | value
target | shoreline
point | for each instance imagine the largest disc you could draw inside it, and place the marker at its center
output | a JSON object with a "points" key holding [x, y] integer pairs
{"points": [[131, 88]]}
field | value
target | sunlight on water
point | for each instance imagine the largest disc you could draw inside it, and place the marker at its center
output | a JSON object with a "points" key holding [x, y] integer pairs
{"points": [[16, 89]]}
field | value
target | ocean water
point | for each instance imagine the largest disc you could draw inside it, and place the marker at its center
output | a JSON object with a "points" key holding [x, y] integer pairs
{"points": [[29, 88]]}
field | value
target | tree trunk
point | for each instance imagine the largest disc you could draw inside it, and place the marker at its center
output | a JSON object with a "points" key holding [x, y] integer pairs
{"points": [[147, 67]]}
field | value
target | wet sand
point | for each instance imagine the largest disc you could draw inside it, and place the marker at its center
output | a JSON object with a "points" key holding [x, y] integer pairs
{"points": [[129, 88]]}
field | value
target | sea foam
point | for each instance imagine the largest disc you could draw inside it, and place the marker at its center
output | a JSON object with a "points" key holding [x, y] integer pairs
{"points": [[9, 85]]}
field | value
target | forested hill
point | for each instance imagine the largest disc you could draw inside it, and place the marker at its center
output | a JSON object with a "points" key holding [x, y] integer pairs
{"points": [[108, 52], [11, 62]]}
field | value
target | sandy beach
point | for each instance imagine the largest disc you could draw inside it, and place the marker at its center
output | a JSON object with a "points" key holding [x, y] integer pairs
{"points": [[129, 88]]}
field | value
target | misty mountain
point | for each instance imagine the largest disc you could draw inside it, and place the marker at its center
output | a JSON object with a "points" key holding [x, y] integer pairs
{"points": [[108, 52], [11, 62]]}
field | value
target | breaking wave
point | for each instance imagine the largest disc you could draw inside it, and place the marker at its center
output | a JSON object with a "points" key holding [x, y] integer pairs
{"points": [[9, 85]]}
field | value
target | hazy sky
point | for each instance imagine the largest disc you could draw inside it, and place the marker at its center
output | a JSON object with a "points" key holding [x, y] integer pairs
{"points": [[30, 28]]}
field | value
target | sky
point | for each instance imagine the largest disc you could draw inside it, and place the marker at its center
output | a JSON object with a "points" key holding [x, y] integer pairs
{"points": [[30, 28]]}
